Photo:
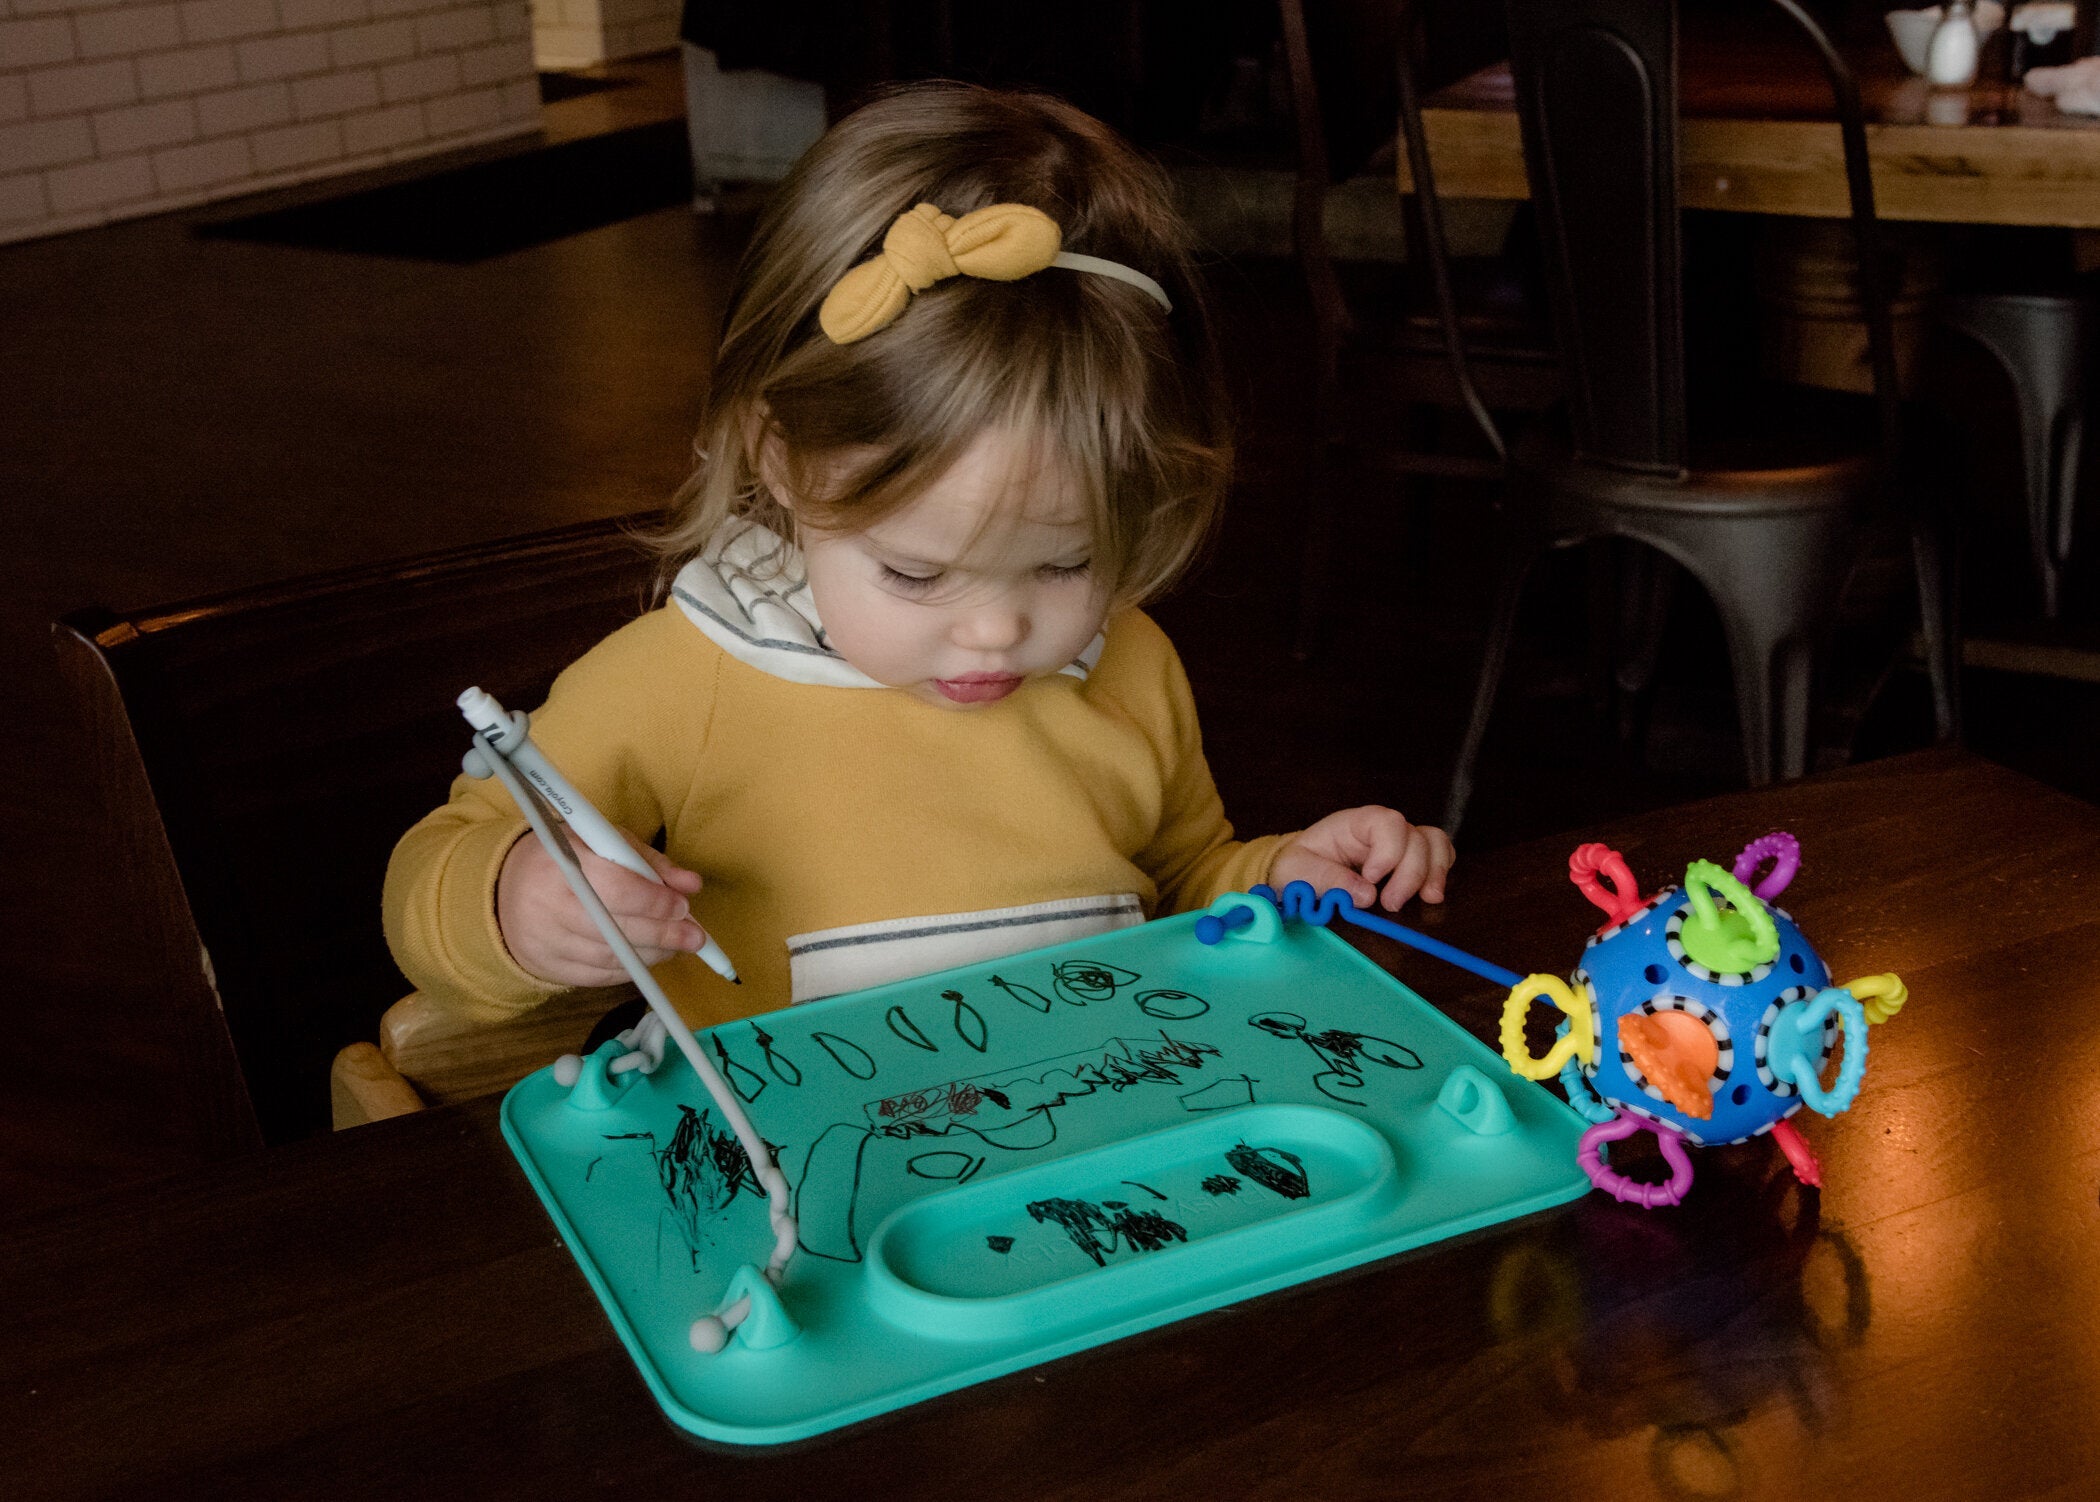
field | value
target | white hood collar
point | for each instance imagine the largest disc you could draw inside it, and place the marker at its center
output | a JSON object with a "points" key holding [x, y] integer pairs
{"points": [[749, 592]]}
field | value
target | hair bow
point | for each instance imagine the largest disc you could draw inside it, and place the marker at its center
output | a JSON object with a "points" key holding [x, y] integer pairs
{"points": [[1002, 243]]}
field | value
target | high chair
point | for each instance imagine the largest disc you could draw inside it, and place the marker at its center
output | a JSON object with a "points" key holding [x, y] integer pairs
{"points": [[259, 753]]}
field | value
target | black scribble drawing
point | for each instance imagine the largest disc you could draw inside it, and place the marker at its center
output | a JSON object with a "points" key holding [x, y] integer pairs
{"points": [[592, 1167], [854, 1060], [968, 1022], [1340, 1051], [1221, 1183], [1171, 1006], [1027, 996], [701, 1171], [1097, 1233], [1000, 1243], [784, 1068], [1222, 1095], [1274, 1169], [1012, 1110], [1082, 981], [907, 1030], [1133, 1183], [958, 1167], [748, 1084]]}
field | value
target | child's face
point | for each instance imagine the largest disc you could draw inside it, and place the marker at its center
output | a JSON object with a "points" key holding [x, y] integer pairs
{"points": [[978, 585]]}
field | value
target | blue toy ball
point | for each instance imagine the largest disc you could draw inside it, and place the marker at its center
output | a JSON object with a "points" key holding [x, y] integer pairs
{"points": [[1702, 1014]]}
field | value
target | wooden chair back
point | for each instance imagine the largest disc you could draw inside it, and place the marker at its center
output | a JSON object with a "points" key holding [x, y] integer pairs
{"points": [[260, 753]]}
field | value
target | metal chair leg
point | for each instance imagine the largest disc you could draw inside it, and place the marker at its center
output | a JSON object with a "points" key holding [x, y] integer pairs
{"points": [[1502, 627]]}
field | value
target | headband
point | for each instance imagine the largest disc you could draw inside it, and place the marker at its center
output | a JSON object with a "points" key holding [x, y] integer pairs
{"points": [[1001, 243]]}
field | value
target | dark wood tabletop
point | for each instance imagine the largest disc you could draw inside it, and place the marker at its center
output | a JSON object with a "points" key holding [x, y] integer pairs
{"points": [[388, 1312]]}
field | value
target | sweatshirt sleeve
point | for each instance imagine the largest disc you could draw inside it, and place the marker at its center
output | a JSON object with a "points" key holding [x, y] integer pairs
{"points": [[1193, 857], [624, 724]]}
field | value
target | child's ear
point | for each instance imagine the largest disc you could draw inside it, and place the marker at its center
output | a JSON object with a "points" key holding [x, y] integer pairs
{"points": [[766, 455]]}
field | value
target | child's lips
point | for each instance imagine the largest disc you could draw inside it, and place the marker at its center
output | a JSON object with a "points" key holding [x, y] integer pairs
{"points": [[978, 688]]}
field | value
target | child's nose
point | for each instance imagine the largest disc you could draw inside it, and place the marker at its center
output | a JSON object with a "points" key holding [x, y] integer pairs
{"points": [[993, 626]]}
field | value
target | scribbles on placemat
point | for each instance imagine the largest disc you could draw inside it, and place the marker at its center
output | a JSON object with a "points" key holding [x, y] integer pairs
{"points": [[907, 1030], [1171, 1006], [1273, 1168], [701, 1170], [954, 1166], [1133, 1183], [784, 1068], [747, 1083], [1339, 1050], [1027, 996], [1221, 1183], [1000, 1243], [1015, 1109], [847, 1054], [968, 1022], [1082, 981], [1098, 1233], [1222, 1095]]}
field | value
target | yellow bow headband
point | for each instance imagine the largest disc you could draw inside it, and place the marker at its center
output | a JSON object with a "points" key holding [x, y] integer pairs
{"points": [[1001, 243]]}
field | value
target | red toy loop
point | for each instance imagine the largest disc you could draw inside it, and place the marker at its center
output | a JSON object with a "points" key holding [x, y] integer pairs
{"points": [[1622, 898]]}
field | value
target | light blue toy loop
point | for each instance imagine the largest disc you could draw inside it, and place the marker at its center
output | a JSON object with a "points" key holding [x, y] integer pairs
{"points": [[1796, 1044], [1586, 1101]]}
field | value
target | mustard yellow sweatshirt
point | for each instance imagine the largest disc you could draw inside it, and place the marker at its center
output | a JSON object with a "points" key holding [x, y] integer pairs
{"points": [[847, 836]]}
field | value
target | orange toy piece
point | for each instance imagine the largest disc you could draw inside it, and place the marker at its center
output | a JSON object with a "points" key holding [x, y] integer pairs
{"points": [[1677, 1054], [1622, 898]]}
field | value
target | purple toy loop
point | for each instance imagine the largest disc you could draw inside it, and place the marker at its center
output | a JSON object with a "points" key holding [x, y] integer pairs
{"points": [[1782, 850], [1630, 1191]]}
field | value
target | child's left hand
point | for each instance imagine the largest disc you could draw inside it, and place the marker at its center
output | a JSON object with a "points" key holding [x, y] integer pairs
{"points": [[1360, 847]]}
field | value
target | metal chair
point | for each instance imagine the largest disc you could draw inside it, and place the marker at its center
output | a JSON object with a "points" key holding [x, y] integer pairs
{"points": [[1764, 501], [2046, 344], [1462, 336]]}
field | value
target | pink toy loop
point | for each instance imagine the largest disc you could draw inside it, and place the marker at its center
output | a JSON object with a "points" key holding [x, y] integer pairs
{"points": [[1622, 898], [1778, 847], [1630, 1191], [1799, 1155]]}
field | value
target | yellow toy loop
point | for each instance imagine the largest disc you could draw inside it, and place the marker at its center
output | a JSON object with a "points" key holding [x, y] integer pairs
{"points": [[1726, 943], [1002, 243], [1880, 996], [1576, 1041]]}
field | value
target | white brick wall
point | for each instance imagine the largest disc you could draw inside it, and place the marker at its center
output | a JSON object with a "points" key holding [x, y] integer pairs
{"points": [[578, 33], [113, 108]]}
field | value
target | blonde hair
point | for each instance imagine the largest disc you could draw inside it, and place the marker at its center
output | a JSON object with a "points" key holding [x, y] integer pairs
{"points": [[1127, 397]]}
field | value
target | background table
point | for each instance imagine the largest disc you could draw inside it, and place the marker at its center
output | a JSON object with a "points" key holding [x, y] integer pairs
{"points": [[1760, 136], [388, 1312]]}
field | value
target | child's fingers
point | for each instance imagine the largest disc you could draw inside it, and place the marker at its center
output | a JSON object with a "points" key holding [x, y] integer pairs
{"points": [[1442, 856], [631, 898], [1302, 864], [1384, 834], [675, 876], [1408, 873]]}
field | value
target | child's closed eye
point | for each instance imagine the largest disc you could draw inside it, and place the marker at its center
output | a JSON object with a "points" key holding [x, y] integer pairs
{"points": [[910, 584], [1057, 572]]}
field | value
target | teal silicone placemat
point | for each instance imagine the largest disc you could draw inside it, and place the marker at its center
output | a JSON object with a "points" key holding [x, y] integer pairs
{"points": [[1004, 1163]]}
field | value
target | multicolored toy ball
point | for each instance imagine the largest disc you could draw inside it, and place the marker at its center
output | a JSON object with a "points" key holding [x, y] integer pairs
{"points": [[1701, 1014]]}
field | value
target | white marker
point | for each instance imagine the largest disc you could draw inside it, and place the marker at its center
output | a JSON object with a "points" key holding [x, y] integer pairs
{"points": [[510, 733]]}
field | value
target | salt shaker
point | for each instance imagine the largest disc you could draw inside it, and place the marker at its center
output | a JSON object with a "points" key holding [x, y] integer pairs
{"points": [[1950, 58]]}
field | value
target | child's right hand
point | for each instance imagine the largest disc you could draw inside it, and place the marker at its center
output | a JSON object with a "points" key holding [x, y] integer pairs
{"points": [[550, 935]]}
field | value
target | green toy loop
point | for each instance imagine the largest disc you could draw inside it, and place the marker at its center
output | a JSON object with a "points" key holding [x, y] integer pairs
{"points": [[1727, 943]]}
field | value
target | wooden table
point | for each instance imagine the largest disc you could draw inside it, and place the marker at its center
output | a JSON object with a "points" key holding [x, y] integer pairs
{"points": [[388, 1313], [1760, 136]]}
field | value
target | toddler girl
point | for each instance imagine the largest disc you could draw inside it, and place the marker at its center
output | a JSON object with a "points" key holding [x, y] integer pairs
{"points": [[900, 708]]}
